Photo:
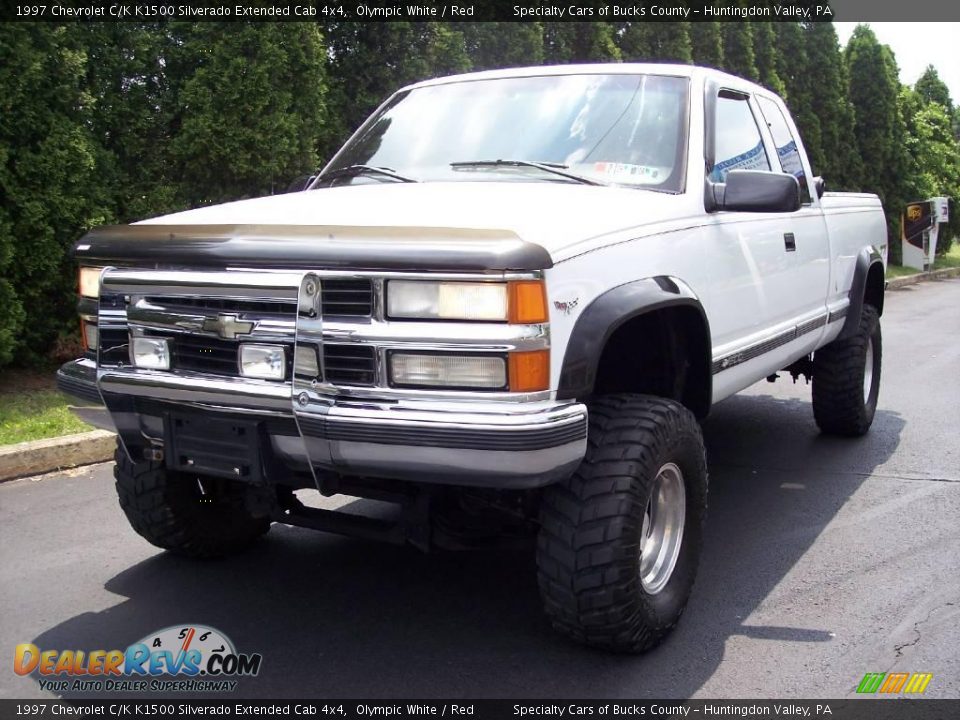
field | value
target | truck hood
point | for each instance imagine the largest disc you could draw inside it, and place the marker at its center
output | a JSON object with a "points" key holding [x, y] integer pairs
{"points": [[554, 216]]}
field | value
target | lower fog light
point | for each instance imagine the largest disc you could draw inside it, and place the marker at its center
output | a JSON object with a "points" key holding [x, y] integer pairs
{"points": [[150, 353], [448, 371], [267, 362]]}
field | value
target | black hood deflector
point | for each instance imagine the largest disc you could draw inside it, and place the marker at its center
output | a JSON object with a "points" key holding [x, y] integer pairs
{"points": [[311, 246]]}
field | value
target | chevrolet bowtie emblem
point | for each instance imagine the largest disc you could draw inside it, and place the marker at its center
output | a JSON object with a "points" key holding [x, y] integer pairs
{"points": [[228, 326]]}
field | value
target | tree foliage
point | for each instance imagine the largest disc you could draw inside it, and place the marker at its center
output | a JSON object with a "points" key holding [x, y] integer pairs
{"points": [[50, 180], [873, 89], [706, 43], [933, 89], [837, 155], [248, 114], [655, 42], [580, 42], [132, 72], [765, 53], [738, 54], [503, 44]]}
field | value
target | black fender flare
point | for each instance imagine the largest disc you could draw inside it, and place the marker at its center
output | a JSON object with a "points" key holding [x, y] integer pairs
{"points": [[867, 258], [605, 314]]}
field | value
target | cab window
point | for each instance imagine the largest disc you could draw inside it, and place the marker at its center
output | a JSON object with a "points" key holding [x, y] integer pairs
{"points": [[739, 145], [788, 152]]}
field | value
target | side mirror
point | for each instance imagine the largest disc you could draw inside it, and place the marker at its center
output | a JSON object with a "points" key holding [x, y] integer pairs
{"points": [[820, 185], [757, 191]]}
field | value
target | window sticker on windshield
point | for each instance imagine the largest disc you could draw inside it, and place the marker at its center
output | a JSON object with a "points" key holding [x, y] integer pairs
{"points": [[626, 172]]}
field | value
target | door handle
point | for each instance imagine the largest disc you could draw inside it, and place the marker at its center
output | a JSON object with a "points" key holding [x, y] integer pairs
{"points": [[790, 242]]}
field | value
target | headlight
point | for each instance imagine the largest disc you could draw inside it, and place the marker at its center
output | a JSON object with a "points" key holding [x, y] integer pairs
{"points": [[448, 371], [89, 282], [519, 301], [268, 362], [150, 353], [447, 300]]}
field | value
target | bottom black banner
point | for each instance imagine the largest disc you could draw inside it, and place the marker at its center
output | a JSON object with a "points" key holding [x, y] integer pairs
{"points": [[859, 709]]}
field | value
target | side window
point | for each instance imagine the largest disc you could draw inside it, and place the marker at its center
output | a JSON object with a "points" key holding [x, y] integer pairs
{"points": [[739, 145], [786, 145]]}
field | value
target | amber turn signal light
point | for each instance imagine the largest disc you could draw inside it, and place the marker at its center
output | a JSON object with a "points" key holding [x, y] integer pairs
{"points": [[528, 301], [529, 371]]}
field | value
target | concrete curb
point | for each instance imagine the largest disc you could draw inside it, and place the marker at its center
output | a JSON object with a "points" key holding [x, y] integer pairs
{"points": [[900, 282], [41, 456]]}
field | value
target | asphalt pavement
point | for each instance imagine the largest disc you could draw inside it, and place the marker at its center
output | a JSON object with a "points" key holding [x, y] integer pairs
{"points": [[824, 559]]}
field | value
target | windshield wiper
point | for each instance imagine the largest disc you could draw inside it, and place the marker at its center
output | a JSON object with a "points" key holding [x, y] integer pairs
{"points": [[549, 167], [354, 170]]}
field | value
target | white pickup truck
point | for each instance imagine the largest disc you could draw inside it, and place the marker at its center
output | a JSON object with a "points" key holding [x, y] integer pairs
{"points": [[504, 305]]}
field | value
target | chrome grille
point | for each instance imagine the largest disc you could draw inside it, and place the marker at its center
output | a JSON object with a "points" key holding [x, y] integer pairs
{"points": [[349, 364], [343, 297], [346, 297], [343, 364], [225, 305], [206, 355], [200, 313]]}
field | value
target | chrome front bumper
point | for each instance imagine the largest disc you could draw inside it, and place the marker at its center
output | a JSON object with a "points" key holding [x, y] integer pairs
{"points": [[455, 442]]}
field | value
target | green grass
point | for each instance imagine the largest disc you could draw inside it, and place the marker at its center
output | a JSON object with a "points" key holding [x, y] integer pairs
{"points": [[895, 271], [36, 414], [951, 259]]}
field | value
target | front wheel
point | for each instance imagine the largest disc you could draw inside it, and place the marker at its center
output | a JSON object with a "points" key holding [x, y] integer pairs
{"points": [[846, 379], [620, 541], [186, 514]]}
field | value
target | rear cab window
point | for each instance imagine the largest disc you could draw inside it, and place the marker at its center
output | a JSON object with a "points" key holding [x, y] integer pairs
{"points": [[788, 151]]}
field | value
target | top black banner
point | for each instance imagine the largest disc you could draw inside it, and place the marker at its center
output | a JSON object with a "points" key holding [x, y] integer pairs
{"points": [[479, 11]]}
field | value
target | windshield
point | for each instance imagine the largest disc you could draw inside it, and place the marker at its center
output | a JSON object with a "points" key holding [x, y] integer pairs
{"points": [[619, 129]]}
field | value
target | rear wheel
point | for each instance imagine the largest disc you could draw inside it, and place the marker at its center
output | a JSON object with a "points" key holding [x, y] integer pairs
{"points": [[846, 379], [620, 541], [186, 514]]}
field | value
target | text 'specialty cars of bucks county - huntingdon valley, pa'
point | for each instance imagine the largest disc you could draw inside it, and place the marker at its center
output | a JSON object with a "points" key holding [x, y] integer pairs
{"points": [[504, 305]]}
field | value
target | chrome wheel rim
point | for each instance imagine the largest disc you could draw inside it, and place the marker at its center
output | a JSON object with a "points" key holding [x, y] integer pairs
{"points": [[662, 532], [868, 371]]}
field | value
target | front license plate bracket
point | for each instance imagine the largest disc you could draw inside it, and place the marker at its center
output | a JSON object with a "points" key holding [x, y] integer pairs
{"points": [[225, 447]]}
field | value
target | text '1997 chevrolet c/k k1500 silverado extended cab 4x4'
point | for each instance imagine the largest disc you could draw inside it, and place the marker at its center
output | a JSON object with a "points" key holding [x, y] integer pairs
{"points": [[503, 305]]}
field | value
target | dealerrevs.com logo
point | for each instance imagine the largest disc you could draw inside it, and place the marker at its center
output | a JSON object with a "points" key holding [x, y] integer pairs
{"points": [[187, 658]]}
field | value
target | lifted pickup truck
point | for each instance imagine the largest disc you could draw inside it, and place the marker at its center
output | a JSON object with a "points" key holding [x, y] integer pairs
{"points": [[504, 305]]}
